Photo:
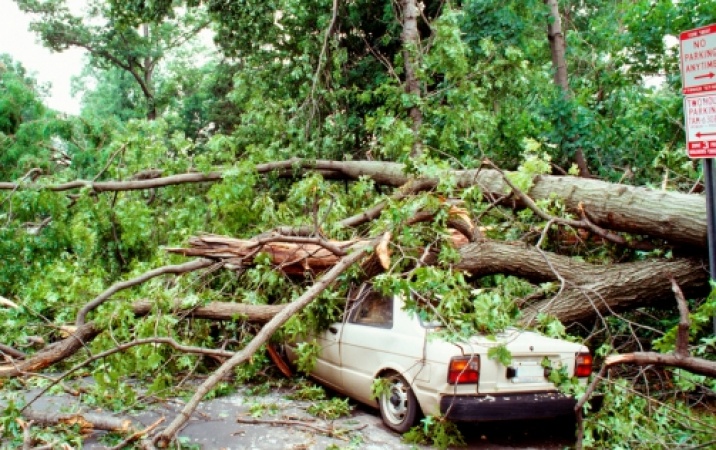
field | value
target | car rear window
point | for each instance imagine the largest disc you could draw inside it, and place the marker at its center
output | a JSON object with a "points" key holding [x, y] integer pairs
{"points": [[372, 308]]}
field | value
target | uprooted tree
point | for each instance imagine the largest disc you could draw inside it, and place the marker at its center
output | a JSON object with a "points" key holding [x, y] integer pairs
{"points": [[389, 147]]}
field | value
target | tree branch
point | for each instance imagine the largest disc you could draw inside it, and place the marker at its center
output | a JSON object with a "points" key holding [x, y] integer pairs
{"points": [[122, 347], [52, 353], [681, 358], [216, 311], [104, 296], [698, 366], [261, 337]]}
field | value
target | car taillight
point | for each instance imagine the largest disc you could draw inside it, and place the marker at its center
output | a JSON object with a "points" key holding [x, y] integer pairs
{"points": [[583, 367], [464, 369]]}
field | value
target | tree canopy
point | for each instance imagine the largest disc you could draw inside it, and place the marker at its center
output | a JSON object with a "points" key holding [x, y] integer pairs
{"points": [[426, 146]]}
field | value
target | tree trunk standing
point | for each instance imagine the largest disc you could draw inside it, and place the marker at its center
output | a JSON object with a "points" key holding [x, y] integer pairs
{"points": [[147, 72], [558, 48], [411, 51], [557, 45]]}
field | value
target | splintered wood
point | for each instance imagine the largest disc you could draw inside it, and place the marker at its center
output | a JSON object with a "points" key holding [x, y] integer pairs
{"points": [[290, 254]]}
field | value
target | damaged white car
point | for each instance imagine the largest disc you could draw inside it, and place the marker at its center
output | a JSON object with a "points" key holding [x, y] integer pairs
{"points": [[427, 375]]}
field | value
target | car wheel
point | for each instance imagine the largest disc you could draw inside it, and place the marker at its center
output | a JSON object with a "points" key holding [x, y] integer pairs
{"points": [[398, 406]]}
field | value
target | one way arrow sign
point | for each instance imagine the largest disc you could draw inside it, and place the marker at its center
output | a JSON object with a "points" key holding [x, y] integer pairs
{"points": [[708, 75]]}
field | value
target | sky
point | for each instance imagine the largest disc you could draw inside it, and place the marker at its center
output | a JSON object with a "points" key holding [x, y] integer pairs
{"points": [[46, 66]]}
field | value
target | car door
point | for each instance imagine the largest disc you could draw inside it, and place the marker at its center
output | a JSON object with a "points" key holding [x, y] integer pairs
{"points": [[328, 364], [367, 328]]}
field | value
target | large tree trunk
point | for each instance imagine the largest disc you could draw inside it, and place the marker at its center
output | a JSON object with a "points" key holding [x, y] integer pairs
{"points": [[586, 289], [672, 216]]}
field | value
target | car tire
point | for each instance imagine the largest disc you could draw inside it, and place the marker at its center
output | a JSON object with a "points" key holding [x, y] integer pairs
{"points": [[398, 406]]}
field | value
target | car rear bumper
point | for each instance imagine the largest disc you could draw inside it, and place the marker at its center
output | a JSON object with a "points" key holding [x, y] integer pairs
{"points": [[484, 408]]}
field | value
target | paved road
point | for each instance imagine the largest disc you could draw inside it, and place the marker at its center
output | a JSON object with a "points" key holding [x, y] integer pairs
{"points": [[214, 426]]}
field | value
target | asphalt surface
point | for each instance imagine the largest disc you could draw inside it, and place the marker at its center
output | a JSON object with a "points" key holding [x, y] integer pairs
{"points": [[223, 424]]}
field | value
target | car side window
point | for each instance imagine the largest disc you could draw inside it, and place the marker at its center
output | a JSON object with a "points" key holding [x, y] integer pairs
{"points": [[372, 309]]}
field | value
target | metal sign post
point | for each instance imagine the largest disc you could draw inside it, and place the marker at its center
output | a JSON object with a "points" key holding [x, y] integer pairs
{"points": [[698, 77], [711, 218]]}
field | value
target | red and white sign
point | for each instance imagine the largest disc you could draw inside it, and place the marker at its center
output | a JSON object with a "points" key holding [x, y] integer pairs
{"points": [[698, 60], [700, 113]]}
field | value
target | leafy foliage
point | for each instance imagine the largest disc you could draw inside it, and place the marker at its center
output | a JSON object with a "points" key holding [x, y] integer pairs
{"points": [[437, 432], [331, 409], [636, 420]]}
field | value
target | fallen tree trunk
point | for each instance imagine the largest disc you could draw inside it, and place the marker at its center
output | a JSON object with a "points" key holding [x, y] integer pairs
{"points": [[292, 255], [676, 217], [586, 289], [217, 311]]}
